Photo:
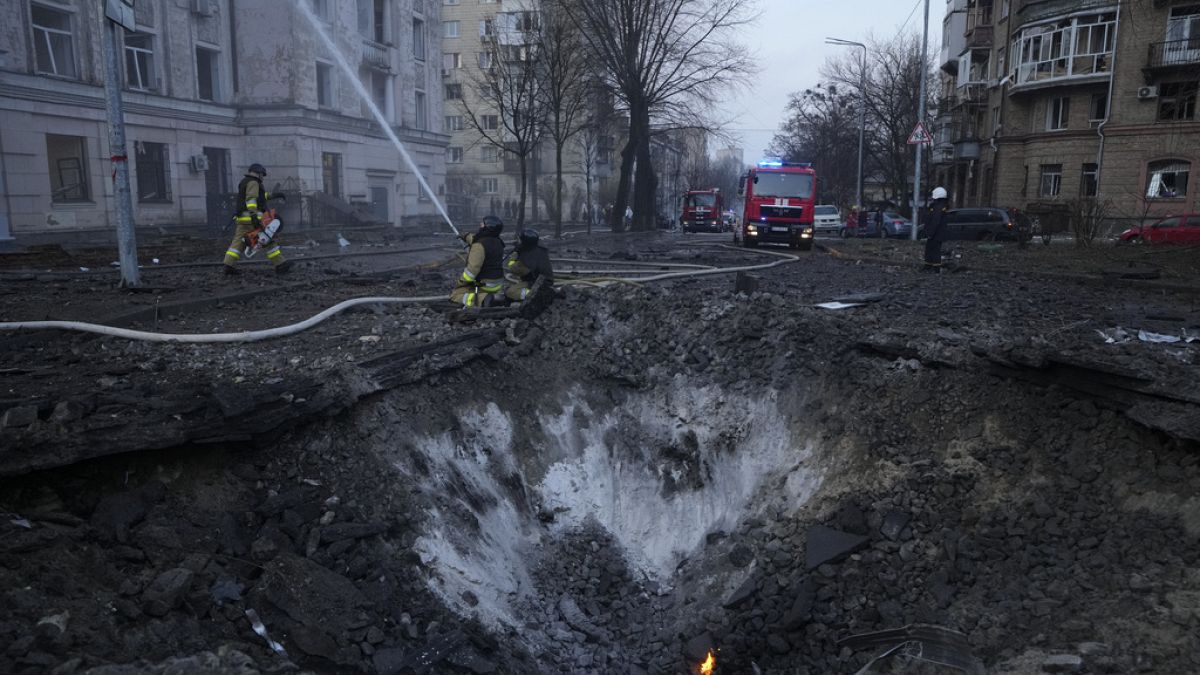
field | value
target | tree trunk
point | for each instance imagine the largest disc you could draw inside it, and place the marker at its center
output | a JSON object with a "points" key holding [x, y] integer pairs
{"points": [[617, 217], [534, 175], [524, 189], [587, 176], [558, 178], [645, 184]]}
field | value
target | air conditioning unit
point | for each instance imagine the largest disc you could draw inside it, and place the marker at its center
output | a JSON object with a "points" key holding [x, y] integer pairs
{"points": [[199, 163], [1146, 93], [204, 7]]}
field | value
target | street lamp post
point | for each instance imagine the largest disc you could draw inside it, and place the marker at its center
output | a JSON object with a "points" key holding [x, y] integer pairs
{"points": [[862, 112], [916, 210]]}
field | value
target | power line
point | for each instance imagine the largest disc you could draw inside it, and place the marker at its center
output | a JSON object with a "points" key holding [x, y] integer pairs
{"points": [[910, 16]]}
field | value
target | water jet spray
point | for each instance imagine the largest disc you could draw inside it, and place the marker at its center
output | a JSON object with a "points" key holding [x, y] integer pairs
{"points": [[361, 90]]}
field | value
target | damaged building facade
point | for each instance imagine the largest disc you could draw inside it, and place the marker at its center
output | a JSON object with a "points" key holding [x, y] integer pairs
{"points": [[209, 87], [1049, 102]]}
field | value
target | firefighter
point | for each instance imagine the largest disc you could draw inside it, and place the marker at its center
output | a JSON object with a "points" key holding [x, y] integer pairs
{"points": [[484, 274], [935, 230], [528, 263], [251, 202]]}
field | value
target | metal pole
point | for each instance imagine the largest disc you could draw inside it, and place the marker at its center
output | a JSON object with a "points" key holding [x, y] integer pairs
{"points": [[126, 236], [920, 120], [862, 125]]}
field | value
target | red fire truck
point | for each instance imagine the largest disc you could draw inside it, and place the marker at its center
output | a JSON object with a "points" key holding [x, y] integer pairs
{"points": [[780, 197], [701, 211]]}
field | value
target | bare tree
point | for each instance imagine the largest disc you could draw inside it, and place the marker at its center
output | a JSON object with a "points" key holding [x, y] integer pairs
{"points": [[659, 55], [892, 84], [567, 82], [510, 112], [822, 123]]}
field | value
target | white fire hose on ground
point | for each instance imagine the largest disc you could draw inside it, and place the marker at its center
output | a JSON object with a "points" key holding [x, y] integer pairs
{"points": [[292, 329]]}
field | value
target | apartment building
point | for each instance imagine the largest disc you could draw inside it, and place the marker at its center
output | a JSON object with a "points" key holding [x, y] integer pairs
{"points": [[483, 178], [209, 87], [1048, 101]]}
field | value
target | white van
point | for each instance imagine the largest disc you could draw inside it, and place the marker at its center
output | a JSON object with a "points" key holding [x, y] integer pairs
{"points": [[826, 218]]}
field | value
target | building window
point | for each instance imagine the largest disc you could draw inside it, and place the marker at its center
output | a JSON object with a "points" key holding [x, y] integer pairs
{"points": [[450, 2], [486, 27], [1184, 24], [450, 29], [995, 120], [453, 91], [324, 85], [207, 75], [331, 173], [421, 118], [1089, 180], [451, 61], [490, 186], [1058, 112], [489, 154], [68, 168], [153, 172], [1098, 110], [139, 62], [1167, 179], [379, 92], [485, 60], [454, 123], [1003, 9], [418, 39], [1177, 101], [1051, 180], [320, 9], [422, 193], [487, 2], [490, 122], [454, 155], [53, 42], [1075, 47]]}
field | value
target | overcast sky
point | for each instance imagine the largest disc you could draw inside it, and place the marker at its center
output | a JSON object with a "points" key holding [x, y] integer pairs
{"points": [[789, 43]]}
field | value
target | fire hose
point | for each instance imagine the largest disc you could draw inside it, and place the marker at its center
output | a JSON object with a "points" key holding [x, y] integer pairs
{"points": [[292, 329]]}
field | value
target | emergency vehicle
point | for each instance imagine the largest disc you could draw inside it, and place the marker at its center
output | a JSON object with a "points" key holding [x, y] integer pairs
{"points": [[780, 199]]}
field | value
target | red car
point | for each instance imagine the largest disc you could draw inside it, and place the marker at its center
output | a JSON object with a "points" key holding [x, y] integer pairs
{"points": [[1182, 229]]}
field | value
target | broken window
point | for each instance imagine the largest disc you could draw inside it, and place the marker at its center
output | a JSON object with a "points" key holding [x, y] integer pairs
{"points": [[1089, 180], [331, 173], [453, 91], [68, 168], [53, 42], [1177, 101], [208, 79], [1167, 179], [153, 172], [1051, 185], [324, 85], [139, 62]]}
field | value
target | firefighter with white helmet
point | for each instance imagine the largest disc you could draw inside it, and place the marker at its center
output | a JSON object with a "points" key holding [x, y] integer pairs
{"points": [[935, 229]]}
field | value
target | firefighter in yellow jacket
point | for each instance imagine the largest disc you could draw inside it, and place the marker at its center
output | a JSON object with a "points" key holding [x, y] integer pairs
{"points": [[251, 202], [483, 277], [528, 263]]}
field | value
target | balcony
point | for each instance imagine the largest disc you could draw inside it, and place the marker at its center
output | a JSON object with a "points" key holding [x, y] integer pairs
{"points": [[376, 55], [1173, 54], [979, 28]]}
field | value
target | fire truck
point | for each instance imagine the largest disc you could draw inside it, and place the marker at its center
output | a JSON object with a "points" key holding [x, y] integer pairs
{"points": [[701, 211], [780, 197]]}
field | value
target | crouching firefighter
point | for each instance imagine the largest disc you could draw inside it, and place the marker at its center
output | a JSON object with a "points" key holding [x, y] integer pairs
{"points": [[529, 263], [252, 233], [483, 276]]}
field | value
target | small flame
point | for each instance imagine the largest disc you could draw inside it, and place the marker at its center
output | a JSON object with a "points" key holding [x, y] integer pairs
{"points": [[710, 664]]}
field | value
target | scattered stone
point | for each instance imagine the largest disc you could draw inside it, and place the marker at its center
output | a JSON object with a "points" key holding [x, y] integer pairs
{"points": [[1062, 663], [827, 545], [341, 531], [166, 591], [893, 524], [314, 642], [697, 648], [747, 588], [21, 416]]}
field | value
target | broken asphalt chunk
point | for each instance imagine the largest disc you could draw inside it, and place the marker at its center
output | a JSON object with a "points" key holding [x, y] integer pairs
{"points": [[827, 545]]}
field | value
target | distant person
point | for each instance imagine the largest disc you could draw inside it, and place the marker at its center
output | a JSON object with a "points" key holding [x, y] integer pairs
{"points": [[251, 202], [935, 229], [628, 216], [529, 263], [484, 275], [879, 222]]}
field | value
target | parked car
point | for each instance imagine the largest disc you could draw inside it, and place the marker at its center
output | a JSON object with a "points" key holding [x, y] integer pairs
{"points": [[1184, 229], [891, 224], [827, 218], [986, 224]]}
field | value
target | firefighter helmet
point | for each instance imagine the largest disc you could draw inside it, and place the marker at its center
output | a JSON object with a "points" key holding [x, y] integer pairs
{"points": [[939, 193], [529, 238], [492, 225], [258, 169]]}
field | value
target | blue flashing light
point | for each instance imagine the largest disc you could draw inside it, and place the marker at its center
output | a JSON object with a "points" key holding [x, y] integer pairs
{"points": [[770, 163]]}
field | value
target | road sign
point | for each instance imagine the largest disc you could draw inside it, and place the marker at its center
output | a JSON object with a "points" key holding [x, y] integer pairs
{"points": [[920, 135], [120, 12]]}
